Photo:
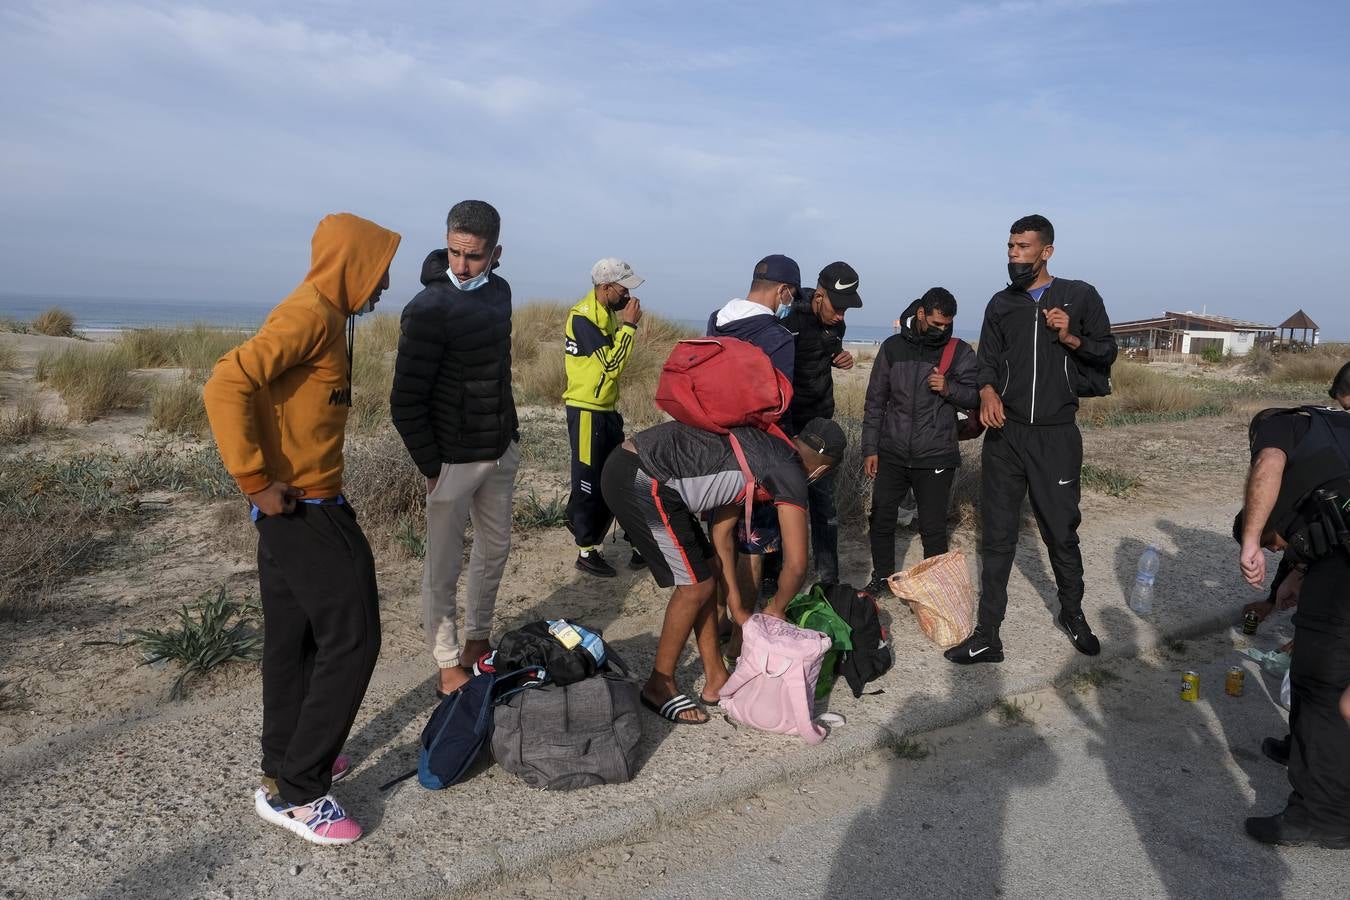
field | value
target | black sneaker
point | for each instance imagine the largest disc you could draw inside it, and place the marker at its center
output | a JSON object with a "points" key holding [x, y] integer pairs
{"points": [[978, 648], [636, 561], [877, 588], [592, 563], [1276, 750], [1278, 829], [1084, 641]]}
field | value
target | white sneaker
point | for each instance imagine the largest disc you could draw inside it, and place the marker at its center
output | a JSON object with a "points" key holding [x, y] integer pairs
{"points": [[321, 821]]}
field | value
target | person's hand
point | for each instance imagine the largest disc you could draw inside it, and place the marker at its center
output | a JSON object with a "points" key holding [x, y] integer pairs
{"points": [[991, 408], [870, 465], [1287, 648], [937, 382], [1057, 320], [1286, 595], [775, 610], [842, 360], [277, 499], [1252, 561], [1345, 705], [1262, 608], [632, 313]]}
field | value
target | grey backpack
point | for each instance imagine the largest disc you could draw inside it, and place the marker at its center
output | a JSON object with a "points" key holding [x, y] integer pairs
{"points": [[562, 737]]}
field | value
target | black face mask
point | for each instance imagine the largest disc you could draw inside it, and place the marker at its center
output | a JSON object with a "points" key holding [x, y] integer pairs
{"points": [[622, 303], [1021, 275], [934, 336]]}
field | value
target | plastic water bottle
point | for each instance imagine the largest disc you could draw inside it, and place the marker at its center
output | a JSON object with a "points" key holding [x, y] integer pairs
{"points": [[1141, 596]]}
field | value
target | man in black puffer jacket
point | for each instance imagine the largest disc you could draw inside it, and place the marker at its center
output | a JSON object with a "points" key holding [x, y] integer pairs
{"points": [[910, 429], [453, 407], [817, 325], [1045, 342]]}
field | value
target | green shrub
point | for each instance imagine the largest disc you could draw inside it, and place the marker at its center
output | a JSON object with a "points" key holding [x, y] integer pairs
{"points": [[55, 322], [221, 632], [529, 511], [92, 381]]}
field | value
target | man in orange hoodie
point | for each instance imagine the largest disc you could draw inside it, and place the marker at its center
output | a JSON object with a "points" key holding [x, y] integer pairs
{"points": [[278, 408]]}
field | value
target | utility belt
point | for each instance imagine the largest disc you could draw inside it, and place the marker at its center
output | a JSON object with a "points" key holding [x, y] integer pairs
{"points": [[1321, 526]]}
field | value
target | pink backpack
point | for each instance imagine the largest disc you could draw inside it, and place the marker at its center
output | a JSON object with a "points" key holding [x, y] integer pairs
{"points": [[774, 683]]}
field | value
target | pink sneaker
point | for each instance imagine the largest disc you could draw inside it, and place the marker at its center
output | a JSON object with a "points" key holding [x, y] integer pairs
{"points": [[321, 821], [341, 766]]}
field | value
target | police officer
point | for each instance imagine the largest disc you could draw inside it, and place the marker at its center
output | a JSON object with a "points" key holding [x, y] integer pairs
{"points": [[1298, 501]]}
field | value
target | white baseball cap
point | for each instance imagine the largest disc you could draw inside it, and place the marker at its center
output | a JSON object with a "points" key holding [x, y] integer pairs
{"points": [[615, 271]]}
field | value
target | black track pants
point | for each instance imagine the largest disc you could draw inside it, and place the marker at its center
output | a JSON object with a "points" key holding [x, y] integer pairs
{"points": [[593, 437], [321, 637], [824, 528], [932, 492], [1319, 754], [1045, 461]]}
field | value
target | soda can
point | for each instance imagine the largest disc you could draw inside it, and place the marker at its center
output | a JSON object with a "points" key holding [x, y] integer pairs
{"points": [[1250, 622], [1233, 683], [1190, 686]]}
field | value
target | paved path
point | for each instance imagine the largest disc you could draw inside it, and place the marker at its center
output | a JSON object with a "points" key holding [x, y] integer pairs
{"points": [[161, 806], [1119, 790]]}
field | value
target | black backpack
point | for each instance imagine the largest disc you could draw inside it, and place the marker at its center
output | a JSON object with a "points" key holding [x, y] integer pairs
{"points": [[532, 645], [871, 656]]}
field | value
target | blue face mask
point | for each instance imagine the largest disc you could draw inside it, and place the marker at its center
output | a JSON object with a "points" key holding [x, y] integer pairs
{"points": [[783, 312], [471, 284]]}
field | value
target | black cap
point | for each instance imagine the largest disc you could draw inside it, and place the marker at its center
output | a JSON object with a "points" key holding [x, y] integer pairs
{"points": [[826, 437], [779, 268], [839, 280]]}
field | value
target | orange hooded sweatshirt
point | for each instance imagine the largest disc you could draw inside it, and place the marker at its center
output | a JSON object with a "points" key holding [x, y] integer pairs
{"points": [[278, 403]]}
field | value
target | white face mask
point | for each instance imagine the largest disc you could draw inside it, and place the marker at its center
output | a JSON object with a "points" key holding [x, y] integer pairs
{"points": [[367, 307], [471, 284]]}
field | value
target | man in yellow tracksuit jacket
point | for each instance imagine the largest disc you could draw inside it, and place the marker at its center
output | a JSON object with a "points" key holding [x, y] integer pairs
{"points": [[278, 408], [601, 331]]}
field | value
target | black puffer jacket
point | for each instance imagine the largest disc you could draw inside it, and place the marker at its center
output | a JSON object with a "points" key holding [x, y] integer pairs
{"points": [[452, 397], [812, 379], [902, 415]]}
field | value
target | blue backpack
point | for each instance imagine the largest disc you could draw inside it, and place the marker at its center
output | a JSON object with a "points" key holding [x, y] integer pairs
{"points": [[461, 726]]}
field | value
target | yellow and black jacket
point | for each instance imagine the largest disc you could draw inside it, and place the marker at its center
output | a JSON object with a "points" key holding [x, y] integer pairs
{"points": [[597, 348]]}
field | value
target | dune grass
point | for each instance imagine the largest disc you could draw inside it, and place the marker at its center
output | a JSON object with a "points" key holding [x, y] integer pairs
{"points": [[9, 357], [26, 421], [92, 381], [212, 632], [54, 322], [194, 347], [1318, 365], [176, 407], [11, 325]]}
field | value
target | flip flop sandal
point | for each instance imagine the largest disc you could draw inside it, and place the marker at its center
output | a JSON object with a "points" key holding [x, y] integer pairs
{"points": [[706, 702], [671, 709]]}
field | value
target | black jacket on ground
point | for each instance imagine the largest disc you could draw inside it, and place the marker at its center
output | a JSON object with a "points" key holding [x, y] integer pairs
{"points": [[1039, 380], [452, 399], [902, 416], [812, 377]]}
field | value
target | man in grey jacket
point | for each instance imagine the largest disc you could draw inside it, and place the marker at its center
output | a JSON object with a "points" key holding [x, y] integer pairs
{"points": [[910, 426]]}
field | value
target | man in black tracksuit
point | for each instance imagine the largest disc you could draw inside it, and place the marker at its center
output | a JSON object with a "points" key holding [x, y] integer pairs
{"points": [[910, 427], [817, 325], [1045, 342]]}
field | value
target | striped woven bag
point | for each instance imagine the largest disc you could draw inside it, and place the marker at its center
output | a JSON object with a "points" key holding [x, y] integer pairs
{"points": [[939, 591]]}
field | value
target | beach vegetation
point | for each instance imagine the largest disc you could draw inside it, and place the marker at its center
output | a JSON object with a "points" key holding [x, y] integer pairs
{"points": [[9, 357], [910, 749], [176, 407], [1317, 366], [530, 511], [55, 322], [25, 421], [195, 348], [93, 381], [1107, 480], [210, 633], [14, 326]]}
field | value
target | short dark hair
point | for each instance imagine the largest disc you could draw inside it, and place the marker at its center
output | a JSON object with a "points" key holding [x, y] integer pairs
{"points": [[1340, 385], [938, 299], [477, 218], [1037, 223]]}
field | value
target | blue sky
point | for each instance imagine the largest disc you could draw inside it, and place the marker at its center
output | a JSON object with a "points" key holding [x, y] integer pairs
{"points": [[1190, 154]]}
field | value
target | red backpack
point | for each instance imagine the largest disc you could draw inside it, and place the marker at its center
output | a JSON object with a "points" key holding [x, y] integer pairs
{"points": [[722, 383], [968, 428]]}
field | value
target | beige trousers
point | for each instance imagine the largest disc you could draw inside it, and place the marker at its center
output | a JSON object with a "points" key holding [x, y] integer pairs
{"points": [[480, 493]]}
